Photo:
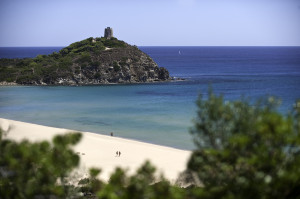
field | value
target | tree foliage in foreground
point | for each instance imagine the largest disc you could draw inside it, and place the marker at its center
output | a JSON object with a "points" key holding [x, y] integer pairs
{"points": [[139, 185], [41, 170], [29, 170], [244, 150]]}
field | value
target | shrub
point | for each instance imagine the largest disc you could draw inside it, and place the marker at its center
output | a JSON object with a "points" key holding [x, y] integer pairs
{"points": [[85, 57], [116, 66], [112, 43], [246, 150], [97, 75], [30, 170]]}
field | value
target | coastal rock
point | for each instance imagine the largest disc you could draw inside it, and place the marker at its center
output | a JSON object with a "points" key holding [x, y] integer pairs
{"points": [[4, 83], [163, 73]]}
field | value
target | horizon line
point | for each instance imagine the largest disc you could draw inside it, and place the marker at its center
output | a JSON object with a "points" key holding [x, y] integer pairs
{"points": [[165, 46]]}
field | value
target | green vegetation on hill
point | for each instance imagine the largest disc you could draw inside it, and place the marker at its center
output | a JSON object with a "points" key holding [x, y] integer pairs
{"points": [[92, 61], [92, 45], [243, 151], [56, 65]]}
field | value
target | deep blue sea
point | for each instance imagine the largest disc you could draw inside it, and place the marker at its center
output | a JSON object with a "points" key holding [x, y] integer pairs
{"points": [[159, 113]]}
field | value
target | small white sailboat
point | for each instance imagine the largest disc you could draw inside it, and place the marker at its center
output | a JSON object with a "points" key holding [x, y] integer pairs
{"points": [[179, 52]]}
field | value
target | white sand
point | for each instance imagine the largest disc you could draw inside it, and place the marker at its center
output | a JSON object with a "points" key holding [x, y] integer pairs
{"points": [[100, 150]]}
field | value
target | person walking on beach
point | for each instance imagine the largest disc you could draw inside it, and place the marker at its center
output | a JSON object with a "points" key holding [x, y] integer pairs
{"points": [[118, 153]]}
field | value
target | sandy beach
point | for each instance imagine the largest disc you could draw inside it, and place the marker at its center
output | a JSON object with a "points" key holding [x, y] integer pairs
{"points": [[100, 150]]}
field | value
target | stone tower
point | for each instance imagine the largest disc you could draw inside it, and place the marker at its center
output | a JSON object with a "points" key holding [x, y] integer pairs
{"points": [[108, 33]]}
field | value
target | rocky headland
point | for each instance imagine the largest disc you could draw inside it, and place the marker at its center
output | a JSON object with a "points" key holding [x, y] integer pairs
{"points": [[92, 61]]}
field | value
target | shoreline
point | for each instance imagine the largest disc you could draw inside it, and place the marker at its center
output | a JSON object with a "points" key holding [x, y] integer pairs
{"points": [[99, 151], [177, 79]]}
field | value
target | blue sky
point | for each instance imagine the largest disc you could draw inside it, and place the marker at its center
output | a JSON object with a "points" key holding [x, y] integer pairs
{"points": [[152, 22]]}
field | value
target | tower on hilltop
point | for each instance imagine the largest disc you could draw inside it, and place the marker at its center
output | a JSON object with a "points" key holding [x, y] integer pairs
{"points": [[108, 33]]}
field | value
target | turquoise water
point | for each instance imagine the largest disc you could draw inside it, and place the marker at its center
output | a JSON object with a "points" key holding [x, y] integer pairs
{"points": [[159, 113], [139, 112]]}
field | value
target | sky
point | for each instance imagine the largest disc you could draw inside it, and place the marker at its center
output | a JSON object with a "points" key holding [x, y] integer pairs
{"points": [[151, 22]]}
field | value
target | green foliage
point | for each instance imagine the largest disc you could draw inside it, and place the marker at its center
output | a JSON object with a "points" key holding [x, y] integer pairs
{"points": [[123, 61], [91, 185], [48, 68], [77, 70], [55, 55], [7, 74], [83, 66], [246, 151], [84, 57], [65, 63], [113, 43], [9, 68], [29, 170], [33, 64], [97, 75], [77, 47], [138, 186], [116, 66], [39, 58], [96, 63], [92, 45]]}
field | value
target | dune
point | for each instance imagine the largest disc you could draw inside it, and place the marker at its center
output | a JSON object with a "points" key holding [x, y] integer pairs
{"points": [[99, 151]]}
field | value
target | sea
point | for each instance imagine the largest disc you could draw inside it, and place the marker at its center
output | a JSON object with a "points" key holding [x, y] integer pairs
{"points": [[159, 113]]}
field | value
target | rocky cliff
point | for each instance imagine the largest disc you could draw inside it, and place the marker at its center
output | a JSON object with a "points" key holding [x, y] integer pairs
{"points": [[88, 62]]}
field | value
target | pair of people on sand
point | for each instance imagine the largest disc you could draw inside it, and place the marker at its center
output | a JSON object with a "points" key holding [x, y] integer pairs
{"points": [[118, 153]]}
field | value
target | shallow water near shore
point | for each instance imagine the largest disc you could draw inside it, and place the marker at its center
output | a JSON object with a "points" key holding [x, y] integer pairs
{"points": [[160, 113]]}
